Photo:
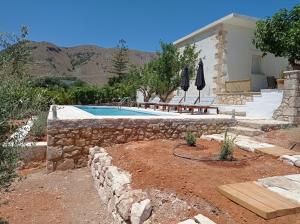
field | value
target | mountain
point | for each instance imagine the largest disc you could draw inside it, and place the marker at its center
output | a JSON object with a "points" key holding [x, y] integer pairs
{"points": [[89, 63]]}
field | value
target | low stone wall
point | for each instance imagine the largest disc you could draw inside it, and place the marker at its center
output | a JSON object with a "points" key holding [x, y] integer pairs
{"points": [[33, 152], [69, 140], [235, 98], [113, 185], [289, 110]]}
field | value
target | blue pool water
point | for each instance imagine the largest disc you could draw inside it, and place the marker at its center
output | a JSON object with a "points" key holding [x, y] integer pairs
{"points": [[114, 111]]}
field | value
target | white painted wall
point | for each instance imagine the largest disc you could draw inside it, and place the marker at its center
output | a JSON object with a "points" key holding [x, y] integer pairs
{"points": [[240, 49], [206, 43]]}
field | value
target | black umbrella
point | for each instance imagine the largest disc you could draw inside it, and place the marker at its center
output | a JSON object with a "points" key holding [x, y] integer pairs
{"points": [[185, 80], [200, 80]]}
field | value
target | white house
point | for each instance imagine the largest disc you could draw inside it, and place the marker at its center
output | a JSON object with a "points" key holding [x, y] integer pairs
{"points": [[228, 55]]}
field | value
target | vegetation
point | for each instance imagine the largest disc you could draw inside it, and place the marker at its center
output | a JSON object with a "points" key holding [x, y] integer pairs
{"points": [[168, 66], [190, 139], [40, 124], [17, 99], [227, 147], [280, 35], [119, 63]]}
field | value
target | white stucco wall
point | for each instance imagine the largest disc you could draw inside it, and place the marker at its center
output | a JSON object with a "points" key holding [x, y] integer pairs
{"points": [[239, 58], [206, 44]]}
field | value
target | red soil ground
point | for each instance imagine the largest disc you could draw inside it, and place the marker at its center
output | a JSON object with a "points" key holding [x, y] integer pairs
{"points": [[153, 166]]}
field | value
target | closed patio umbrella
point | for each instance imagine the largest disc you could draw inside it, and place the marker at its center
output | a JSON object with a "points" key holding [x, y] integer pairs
{"points": [[200, 80], [185, 80]]}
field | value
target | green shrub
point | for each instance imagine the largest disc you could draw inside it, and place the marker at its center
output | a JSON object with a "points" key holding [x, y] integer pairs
{"points": [[190, 139], [227, 148], [39, 126]]}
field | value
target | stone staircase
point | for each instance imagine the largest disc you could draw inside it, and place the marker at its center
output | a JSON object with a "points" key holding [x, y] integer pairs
{"points": [[240, 130], [253, 128], [262, 107]]}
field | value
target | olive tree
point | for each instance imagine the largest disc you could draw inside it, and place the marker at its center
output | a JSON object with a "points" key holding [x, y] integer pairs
{"points": [[280, 35], [17, 99], [168, 66]]}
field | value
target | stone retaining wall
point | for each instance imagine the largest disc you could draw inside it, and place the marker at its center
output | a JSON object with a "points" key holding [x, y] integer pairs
{"points": [[113, 185], [69, 140], [289, 110], [234, 98]]}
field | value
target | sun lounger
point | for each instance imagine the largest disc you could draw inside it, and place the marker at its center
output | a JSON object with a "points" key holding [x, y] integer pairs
{"points": [[204, 105], [174, 102], [146, 105]]}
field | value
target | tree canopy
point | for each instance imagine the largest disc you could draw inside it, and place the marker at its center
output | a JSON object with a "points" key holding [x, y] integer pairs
{"points": [[168, 66], [280, 35], [17, 99], [119, 62]]}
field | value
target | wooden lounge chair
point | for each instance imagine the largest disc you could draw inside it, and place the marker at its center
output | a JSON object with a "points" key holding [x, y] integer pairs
{"points": [[146, 105], [204, 105], [174, 102]]}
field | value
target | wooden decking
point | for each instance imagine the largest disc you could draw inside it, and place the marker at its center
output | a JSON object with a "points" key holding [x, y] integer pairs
{"points": [[259, 200]]}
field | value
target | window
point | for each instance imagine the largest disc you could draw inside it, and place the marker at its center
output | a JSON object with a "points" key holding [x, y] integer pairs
{"points": [[256, 65]]}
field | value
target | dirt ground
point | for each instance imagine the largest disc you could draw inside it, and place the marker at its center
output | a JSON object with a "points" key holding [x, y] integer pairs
{"points": [[59, 197], [283, 137], [154, 166]]}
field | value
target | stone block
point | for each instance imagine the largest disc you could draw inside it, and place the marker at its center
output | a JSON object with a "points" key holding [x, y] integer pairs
{"points": [[203, 219], [188, 221], [140, 212], [297, 163], [54, 153], [66, 164], [126, 201]]}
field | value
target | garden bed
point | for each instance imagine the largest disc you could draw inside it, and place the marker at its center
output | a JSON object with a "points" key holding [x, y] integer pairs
{"points": [[154, 166]]}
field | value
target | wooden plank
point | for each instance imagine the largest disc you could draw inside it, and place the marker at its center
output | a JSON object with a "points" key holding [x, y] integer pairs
{"points": [[276, 151], [281, 205], [247, 202], [259, 200]]}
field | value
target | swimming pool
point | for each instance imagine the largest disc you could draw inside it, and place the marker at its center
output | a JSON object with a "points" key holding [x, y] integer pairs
{"points": [[115, 111]]}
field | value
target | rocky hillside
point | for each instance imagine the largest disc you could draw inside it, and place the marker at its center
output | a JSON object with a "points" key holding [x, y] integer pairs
{"points": [[89, 63]]}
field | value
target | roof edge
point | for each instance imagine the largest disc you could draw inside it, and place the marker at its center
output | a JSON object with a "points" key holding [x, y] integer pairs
{"points": [[215, 23]]}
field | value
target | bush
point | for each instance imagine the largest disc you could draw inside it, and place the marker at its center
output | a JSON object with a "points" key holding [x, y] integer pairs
{"points": [[39, 126], [227, 148], [190, 139]]}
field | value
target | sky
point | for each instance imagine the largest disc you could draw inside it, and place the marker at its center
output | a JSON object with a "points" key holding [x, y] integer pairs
{"points": [[142, 23]]}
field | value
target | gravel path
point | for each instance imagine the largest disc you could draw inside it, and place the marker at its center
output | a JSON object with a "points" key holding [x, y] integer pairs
{"points": [[59, 197]]}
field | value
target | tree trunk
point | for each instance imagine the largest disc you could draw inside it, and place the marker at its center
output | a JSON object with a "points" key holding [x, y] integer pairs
{"points": [[296, 67]]}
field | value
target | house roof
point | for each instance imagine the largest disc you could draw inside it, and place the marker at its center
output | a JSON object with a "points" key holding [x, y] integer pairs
{"points": [[233, 19]]}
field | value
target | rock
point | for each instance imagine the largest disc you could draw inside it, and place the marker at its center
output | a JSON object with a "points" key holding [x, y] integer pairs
{"points": [[203, 219], [65, 165], [140, 212], [297, 163], [188, 221], [68, 148], [96, 149], [126, 201], [50, 166], [54, 153]]}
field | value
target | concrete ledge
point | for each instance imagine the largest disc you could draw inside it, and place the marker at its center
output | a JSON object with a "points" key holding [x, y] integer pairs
{"points": [[114, 188]]}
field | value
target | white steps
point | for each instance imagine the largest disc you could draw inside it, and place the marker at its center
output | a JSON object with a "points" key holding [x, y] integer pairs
{"points": [[263, 106], [239, 130], [264, 125]]}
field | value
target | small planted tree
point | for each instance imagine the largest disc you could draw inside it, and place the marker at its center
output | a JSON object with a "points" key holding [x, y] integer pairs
{"points": [[227, 147], [119, 63], [190, 139], [280, 35]]}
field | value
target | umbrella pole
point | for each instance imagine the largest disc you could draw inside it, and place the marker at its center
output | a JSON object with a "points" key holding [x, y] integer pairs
{"points": [[199, 96], [184, 96]]}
